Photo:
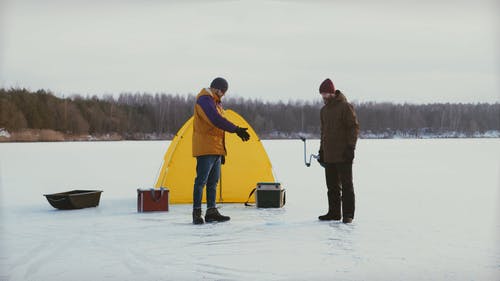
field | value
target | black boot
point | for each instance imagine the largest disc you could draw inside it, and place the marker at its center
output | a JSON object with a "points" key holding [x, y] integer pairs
{"points": [[333, 208], [330, 216], [214, 215], [347, 220], [197, 218]]}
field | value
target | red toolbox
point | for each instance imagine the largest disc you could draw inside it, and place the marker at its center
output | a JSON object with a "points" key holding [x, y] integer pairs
{"points": [[151, 200]]}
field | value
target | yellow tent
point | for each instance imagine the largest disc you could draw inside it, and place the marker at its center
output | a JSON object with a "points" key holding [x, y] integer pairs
{"points": [[247, 164]]}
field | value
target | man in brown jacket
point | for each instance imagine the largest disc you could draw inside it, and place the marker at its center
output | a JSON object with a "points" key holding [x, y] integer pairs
{"points": [[339, 133]]}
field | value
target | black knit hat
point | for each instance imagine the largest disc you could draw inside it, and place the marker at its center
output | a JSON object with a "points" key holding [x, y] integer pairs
{"points": [[220, 84]]}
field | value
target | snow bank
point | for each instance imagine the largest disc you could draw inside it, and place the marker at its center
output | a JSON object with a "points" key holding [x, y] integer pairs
{"points": [[4, 133]]}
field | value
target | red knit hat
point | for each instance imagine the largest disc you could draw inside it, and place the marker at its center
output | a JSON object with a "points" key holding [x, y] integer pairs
{"points": [[327, 87]]}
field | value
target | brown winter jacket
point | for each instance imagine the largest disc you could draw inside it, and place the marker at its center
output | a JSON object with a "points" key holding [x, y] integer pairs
{"points": [[339, 129]]}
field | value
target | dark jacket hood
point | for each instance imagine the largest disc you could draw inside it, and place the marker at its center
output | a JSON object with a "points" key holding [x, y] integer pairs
{"points": [[339, 97]]}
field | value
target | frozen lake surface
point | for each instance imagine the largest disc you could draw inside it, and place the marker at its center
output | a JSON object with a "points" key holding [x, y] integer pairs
{"points": [[426, 210]]}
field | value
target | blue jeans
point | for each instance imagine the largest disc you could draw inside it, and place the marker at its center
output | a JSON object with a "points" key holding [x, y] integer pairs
{"points": [[207, 173]]}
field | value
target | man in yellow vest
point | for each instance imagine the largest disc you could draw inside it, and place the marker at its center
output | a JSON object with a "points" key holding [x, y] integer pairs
{"points": [[209, 127]]}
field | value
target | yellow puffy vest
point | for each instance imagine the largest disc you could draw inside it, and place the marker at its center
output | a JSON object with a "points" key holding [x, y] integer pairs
{"points": [[207, 138]]}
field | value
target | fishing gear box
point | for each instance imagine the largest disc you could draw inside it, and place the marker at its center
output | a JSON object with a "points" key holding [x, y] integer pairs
{"points": [[151, 200], [269, 195]]}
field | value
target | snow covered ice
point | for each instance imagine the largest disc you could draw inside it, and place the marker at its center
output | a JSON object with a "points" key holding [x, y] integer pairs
{"points": [[425, 210]]}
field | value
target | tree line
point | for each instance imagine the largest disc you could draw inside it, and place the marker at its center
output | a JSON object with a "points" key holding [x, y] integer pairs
{"points": [[159, 116]]}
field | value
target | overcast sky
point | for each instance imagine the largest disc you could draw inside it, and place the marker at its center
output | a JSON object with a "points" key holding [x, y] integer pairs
{"points": [[399, 51]]}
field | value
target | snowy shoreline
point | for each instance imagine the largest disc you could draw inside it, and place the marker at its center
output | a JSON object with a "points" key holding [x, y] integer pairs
{"points": [[55, 136]]}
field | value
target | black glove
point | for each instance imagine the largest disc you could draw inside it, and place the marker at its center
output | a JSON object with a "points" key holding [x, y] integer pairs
{"points": [[222, 159], [349, 153], [320, 159], [242, 133]]}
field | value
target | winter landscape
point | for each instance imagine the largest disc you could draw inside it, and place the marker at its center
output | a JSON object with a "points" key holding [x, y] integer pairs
{"points": [[426, 209], [92, 92]]}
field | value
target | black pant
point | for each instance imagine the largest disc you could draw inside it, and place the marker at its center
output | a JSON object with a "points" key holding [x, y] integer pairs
{"points": [[340, 189]]}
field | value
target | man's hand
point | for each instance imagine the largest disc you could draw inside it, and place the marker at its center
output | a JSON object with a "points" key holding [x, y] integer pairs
{"points": [[320, 159], [349, 153], [242, 133]]}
